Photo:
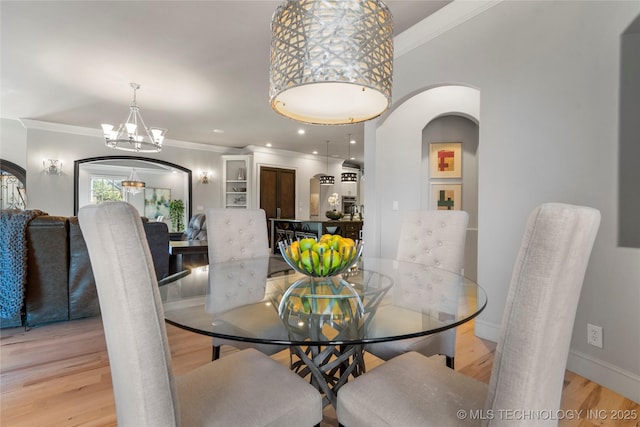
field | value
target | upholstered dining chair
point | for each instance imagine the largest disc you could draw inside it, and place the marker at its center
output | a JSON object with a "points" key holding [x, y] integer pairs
{"points": [[238, 234], [531, 356], [245, 388], [434, 238]]}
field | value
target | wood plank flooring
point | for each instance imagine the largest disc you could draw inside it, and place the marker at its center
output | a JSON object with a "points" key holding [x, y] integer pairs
{"points": [[58, 375]]}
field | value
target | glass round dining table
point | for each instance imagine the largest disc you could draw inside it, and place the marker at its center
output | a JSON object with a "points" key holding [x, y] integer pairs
{"points": [[325, 322]]}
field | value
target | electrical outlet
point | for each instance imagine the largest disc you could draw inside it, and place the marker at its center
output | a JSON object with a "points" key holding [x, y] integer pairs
{"points": [[594, 335]]}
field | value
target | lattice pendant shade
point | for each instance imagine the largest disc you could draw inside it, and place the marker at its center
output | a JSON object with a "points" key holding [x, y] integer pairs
{"points": [[349, 177], [327, 180], [331, 60]]}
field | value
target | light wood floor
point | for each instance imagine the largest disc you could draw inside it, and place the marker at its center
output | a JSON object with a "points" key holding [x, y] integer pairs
{"points": [[58, 375]]}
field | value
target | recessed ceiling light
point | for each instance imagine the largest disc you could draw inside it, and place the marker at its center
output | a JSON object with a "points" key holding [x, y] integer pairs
{"points": [[353, 141], [352, 158], [269, 144], [315, 152], [301, 131], [218, 131]]}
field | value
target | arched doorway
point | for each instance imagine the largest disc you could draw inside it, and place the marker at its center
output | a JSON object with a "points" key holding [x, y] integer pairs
{"points": [[13, 180], [455, 129], [395, 165]]}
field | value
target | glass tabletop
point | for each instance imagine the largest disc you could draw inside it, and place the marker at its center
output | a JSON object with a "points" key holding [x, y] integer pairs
{"points": [[376, 300]]}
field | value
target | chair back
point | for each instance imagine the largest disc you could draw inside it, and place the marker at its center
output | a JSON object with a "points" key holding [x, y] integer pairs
{"points": [[237, 234], [132, 315], [531, 356], [249, 278], [434, 238]]}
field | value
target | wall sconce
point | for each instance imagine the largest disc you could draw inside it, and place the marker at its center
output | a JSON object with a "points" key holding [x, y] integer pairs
{"points": [[53, 168], [204, 177]]}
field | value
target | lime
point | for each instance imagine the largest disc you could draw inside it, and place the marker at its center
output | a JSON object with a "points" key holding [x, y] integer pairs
{"points": [[331, 261], [320, 247], [306, 243], [309, 260], [334, 242]]}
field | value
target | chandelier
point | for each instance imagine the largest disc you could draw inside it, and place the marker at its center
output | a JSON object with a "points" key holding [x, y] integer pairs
{"points": [[331, 60], [133, 185], [127, 138], [327, 179]]}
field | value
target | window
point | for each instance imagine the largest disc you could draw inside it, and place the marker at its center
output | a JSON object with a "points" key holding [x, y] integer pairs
{"points": [[105, 189]]}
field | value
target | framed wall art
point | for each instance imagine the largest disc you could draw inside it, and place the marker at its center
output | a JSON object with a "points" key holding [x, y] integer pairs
{"points": [[156, 202], [445, 160], [446, 197]]}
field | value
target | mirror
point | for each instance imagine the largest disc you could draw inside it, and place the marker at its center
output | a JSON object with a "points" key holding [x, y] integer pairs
{"points": [[13, 180], [99, 179]]}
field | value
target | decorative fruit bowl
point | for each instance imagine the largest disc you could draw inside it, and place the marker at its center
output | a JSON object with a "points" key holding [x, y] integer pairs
{"points": [[329, 256], [334, 215]]}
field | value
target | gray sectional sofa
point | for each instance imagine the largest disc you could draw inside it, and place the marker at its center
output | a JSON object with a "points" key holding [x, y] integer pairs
{"points": [[60, 284]]}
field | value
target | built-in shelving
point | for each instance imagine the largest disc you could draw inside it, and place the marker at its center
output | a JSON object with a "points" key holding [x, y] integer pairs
{"points": [[236, 181]]}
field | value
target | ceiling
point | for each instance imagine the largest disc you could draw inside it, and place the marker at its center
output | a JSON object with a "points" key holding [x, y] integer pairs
{"points": [[202, 65]]}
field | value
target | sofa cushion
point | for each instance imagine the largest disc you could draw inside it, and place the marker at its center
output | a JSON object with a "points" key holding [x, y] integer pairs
{"points": [[47, 291], [83, 297]]}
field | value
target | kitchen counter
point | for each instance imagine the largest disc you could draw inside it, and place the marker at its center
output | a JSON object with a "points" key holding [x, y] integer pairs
{"points": [[292, 229]]}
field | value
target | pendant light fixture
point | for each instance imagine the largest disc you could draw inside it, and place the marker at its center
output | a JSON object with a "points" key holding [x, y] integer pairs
{"points": [[133, 185], [331, 60], [327, 179], [127, 138], [349, 176]]}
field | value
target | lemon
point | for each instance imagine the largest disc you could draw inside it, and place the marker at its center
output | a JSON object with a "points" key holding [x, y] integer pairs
{"points": [[346, 242], [293, 252], [325, 237]]}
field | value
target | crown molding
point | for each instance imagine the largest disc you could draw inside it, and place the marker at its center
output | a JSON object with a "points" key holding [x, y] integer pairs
{"points": [[286, 153], [97, 133], [450, 16]]}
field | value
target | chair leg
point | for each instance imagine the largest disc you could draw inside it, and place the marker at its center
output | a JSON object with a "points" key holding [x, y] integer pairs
{"points": [[450, 362], [215, 354]]}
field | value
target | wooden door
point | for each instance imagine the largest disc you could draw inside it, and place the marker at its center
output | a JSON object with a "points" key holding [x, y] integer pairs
{"points": [[278, 190]]}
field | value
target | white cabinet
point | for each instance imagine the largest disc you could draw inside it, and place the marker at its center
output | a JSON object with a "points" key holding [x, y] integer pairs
{"points": [[236, 173]]}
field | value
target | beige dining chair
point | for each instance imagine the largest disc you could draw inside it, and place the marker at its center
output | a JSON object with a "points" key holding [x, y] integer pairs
{"points": [[245, 388], [531, 356], [237, 234], [435, 238]]}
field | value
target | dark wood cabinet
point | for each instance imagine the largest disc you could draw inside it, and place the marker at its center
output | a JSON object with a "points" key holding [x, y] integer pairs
{"points": [[295, 229], [278, 191], [352, 230]]}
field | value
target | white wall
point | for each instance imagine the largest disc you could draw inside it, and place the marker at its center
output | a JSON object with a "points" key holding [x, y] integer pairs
{"points": [[54, 193], [13, 137], [548, 76]]}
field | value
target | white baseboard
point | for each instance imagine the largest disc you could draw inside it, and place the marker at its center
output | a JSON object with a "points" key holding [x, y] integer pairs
{"points": [[610, 376], [600, 372], [486, 330]]}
